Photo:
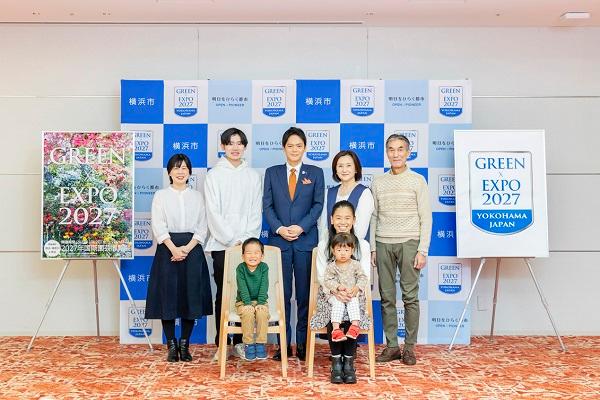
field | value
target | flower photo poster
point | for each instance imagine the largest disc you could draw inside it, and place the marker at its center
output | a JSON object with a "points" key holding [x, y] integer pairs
{"points": [[87, 196]]}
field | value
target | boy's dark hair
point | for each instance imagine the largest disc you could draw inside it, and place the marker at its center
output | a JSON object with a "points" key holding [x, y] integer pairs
{"points": [[175, 162], [293, 131], [355, 159], [228, 133], [255, 241]]}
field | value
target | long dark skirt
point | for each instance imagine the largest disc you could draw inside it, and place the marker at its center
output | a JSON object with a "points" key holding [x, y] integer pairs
{"points": [[179, 289]]}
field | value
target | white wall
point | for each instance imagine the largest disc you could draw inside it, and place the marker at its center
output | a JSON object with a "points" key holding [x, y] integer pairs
{"points": [[55, 77]]}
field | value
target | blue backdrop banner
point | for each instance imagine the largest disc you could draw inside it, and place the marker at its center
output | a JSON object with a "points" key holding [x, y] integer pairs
{"points": [[170, 117]]}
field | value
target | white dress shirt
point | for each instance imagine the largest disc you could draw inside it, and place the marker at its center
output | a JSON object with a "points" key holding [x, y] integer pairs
{"points": [[289, 171], [178, 211]]}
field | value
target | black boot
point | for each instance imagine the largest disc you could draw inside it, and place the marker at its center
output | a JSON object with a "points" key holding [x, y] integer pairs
{"points": [[184, 350], [172, 351], [337, 376], [349, 371]]}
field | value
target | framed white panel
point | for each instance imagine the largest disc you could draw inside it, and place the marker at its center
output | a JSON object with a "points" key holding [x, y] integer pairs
{"points": [[501, 207]]}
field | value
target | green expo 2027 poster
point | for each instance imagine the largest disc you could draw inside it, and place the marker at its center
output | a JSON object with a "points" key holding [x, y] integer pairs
{"points": [[87, 198]]}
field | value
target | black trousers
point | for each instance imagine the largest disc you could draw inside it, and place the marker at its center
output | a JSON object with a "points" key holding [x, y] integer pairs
{"points": [[218, 268], [344, 348]]}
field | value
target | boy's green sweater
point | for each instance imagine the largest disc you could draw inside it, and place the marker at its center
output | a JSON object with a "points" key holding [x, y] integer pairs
{"points": [[252, 285]]}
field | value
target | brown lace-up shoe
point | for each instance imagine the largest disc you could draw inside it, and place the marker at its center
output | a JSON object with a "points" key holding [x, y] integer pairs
{"points": [[389, 354], [408, 357]]}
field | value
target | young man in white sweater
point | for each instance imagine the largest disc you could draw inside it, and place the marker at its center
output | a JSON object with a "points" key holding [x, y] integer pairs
{"points": [[400, 236], [233, 193]]}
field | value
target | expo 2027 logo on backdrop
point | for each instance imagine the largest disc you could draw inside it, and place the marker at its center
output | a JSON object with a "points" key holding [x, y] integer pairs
{"points": [[450, 278], [274, 100], [318, 143], [446, 189], [142, 233], [451, 100], [362, 100], [143, 145], [137, 323], [186, 101]]}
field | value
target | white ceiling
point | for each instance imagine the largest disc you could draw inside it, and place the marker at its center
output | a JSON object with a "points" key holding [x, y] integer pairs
{"points": [[542, 13]]}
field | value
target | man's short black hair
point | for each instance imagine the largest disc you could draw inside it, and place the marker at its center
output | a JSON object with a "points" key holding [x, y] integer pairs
{"points": [[293, 131]]}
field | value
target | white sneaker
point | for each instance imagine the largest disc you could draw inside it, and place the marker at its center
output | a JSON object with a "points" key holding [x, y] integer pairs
{"points": [[216, 356], [238, 351]]}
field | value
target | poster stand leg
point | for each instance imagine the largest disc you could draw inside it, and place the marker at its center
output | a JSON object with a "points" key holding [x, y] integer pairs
{"points": [[49, 303], [116, 265], [537, 285], [60, 278], [495, 297], [462, 317], [545, 303], [96, 299]]}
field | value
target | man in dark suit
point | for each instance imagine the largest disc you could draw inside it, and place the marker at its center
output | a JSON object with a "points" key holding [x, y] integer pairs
{"points": [[292, 203]]}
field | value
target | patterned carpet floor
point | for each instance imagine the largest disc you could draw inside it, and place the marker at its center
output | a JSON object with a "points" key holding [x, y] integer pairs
{"points": [[507, 368]]}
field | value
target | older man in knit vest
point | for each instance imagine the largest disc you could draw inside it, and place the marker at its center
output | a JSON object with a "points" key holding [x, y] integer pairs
{"points": [[400, 236]]}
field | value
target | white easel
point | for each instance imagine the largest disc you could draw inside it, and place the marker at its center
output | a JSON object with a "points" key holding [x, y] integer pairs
{"points": [[482, 160], [537, 285], [60, 278]]}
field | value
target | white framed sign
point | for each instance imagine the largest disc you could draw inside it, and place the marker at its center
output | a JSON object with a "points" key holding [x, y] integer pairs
{"points": [[501, 206]]}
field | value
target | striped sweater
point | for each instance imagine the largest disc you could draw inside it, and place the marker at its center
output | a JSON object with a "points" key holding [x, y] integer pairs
{"points": [[402, 209]]}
